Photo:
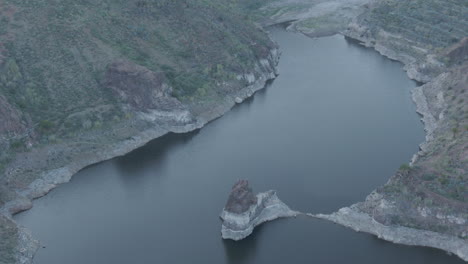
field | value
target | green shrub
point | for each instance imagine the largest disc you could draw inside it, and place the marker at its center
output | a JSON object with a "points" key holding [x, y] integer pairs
{"points": [[405, 167], [429, 177], [46, 125], [17, 144], [443, 180], [187, 84]]}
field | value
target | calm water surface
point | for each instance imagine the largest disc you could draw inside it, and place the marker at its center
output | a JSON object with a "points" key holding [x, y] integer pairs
{"points": [[335, 124]]}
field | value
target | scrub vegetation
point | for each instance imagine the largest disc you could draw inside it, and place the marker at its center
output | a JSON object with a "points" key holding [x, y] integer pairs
{"points": [[432, 193], [54, 55], [431, 38], [63, 63], [432, 23]]}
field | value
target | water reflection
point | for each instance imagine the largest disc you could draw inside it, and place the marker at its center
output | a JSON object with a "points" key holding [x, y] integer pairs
{"points": [[152, 154], [150, 161], [241, 252]]}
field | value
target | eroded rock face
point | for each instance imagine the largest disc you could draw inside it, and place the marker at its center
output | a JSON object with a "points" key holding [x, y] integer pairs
{"points": [[139, 87], [241, 198], [244, 211]]}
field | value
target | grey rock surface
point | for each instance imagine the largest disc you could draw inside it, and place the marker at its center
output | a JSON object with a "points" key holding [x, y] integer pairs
{"points": [[239, 220], [241, 198], [353, 218], [27, 246]]}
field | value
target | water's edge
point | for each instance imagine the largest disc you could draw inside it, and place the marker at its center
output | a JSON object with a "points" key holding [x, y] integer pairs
{"points": [[357, 220], [27, 245], [414, 67]]}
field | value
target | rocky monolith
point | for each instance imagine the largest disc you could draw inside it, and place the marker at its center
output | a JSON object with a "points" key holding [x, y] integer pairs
{"points": [[244, 211]]}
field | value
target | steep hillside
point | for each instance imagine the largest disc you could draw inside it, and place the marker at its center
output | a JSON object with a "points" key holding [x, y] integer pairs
{"points": [[55, 56], [82, 81]]}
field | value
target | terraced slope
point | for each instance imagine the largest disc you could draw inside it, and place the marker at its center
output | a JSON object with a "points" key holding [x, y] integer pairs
{"points": [[432, 23]]}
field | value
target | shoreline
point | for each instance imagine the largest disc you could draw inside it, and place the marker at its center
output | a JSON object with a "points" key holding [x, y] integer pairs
{"points": [[53, 178], [352, 217], [48, 180], [427, 72], [268, 207]]}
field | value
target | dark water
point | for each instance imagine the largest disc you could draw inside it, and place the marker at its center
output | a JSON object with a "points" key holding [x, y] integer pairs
{"points": [[335, 124]]}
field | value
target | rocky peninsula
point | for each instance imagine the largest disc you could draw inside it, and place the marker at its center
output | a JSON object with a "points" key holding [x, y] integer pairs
{"points": [[244, 211]]}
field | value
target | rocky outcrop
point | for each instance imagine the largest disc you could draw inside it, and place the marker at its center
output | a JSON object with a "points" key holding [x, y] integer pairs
{"points": [[241, 198], [244, 211], [140, 88]]}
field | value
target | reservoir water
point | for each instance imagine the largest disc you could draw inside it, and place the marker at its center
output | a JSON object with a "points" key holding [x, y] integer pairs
{"points": [[335, 124]]}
